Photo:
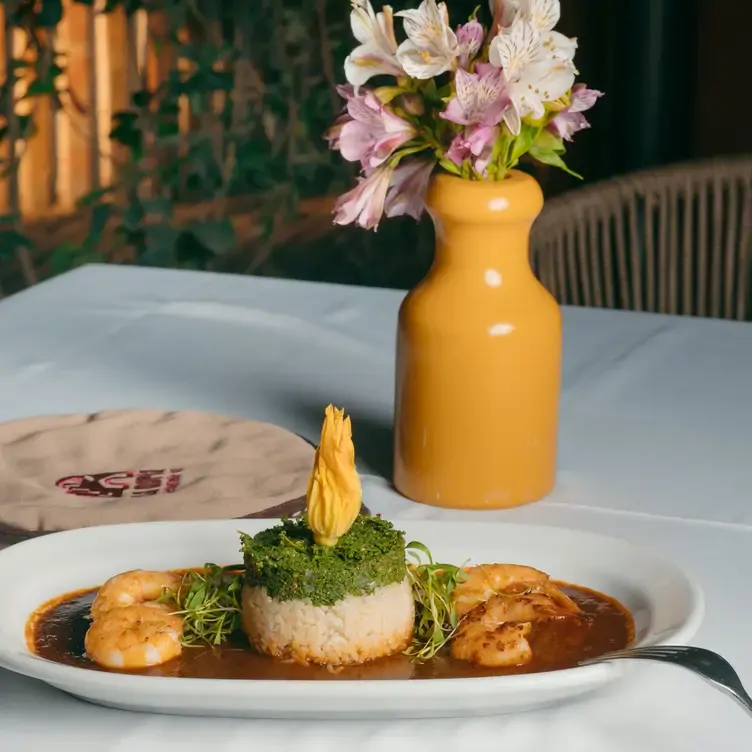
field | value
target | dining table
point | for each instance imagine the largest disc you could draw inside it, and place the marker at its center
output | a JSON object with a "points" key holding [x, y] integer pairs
{"points": [[655, 447]]}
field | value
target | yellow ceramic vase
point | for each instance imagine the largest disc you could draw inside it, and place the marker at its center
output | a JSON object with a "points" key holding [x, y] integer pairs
{"points": [[478, 355]]}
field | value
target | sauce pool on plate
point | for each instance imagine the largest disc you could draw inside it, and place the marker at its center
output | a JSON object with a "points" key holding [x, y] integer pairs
{"points": [[56, 632]]}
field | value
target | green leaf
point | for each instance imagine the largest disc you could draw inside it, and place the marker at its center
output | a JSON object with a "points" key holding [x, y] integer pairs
{"points": [[157, 206], [160, 245], [95, 196], [100, 213], [218, 236], [69, 256], [50, 14], [449, 166], [546, 141], [11, 240], [552, 159], [521, 144], [132, 216], [125, 130], [395, 159], [41, 87], [141, 98], [386, 94]]}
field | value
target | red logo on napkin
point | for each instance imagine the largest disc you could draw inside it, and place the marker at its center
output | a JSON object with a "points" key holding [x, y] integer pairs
{"points": [[124, 483]]}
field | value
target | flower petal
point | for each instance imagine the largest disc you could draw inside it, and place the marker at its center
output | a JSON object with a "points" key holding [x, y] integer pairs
{"points": [[422, 63], [513, 119], [583, 99], [542, 14], [466, 86], [427, 28], [356, 141], [556, 83], [562, 47], [458, 150], [515, 49], [454, 112], [362, 20], [367, 61], [364, 204], [407, 191], [567, 123]]}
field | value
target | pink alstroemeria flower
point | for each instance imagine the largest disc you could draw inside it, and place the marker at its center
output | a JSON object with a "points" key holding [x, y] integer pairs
{"points": [[373, 132], [407, 191], [479, 97], [477, 142], [364, 204], [571, 120], [470, 38]]}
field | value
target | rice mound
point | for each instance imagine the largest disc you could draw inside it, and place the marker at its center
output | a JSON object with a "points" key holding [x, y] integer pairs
{"points": [[353, 630]]}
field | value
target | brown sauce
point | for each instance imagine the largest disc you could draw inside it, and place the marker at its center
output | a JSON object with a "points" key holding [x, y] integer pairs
{"points": [[57, 631]]}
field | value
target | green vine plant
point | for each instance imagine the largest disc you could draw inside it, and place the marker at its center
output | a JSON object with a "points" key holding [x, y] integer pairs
{"points": [[271, 65]]}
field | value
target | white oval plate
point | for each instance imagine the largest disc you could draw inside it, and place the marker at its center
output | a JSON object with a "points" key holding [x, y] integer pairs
{"points": [[666, 606]]}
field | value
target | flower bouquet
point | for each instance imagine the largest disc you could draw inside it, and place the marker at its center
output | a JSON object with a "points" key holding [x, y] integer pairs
{"points": [[470, 101]]}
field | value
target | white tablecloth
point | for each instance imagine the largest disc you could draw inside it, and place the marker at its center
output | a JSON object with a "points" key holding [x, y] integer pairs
{"points": [[656, 414]]}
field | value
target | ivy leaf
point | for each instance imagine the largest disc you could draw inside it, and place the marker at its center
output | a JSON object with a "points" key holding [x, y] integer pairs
{"points": [[50, 14], [218, 236], [92, 198], [141, 98], [41, 87], [160, 245], [132, 217], [158, 206], [100, 213], [125, 130], [69, 256], [10, 240]]}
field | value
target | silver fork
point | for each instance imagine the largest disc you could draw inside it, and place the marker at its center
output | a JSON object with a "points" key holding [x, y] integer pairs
{"points": [[709, 665]]}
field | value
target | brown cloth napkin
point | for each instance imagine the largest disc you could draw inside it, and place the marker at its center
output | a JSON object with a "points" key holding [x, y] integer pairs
{"points": [[69, 471]]}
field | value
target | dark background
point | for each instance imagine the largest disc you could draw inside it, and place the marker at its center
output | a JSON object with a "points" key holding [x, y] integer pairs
{"points": [[671, 70]]}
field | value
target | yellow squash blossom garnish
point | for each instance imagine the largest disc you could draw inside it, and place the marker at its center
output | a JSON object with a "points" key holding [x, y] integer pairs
{"points": [[334, 492]]}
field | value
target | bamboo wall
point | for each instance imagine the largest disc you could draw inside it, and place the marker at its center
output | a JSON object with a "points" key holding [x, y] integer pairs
{"points": [[108, 58]]}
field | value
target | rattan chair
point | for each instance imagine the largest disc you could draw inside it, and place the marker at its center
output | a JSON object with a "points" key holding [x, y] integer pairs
{"points": [[671, 240]]}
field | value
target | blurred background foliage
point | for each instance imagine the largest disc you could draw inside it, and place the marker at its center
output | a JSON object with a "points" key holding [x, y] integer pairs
{"points": [[249, 186]]}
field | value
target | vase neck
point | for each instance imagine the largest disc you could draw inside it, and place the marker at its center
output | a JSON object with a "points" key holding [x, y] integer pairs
{"points": [[484, 226], [480, 247]]}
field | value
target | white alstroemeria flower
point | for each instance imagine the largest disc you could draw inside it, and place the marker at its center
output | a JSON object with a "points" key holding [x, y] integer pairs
{"points": [[542, 15], [534, 73], [431, 47], [377, 53]]}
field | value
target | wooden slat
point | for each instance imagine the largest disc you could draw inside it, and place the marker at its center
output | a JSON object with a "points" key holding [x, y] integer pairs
{"points": [[79, 165], [4, 144], [37, 175]]}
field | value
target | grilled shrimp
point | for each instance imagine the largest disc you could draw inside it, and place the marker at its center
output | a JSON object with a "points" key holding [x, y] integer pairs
{"points": [[130, 630], [499, 647], [131, 588], [487, 580], [132, 637], [497, 604]]}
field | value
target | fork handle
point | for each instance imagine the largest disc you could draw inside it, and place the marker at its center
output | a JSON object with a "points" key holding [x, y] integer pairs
{"points": [[738, 693]]}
